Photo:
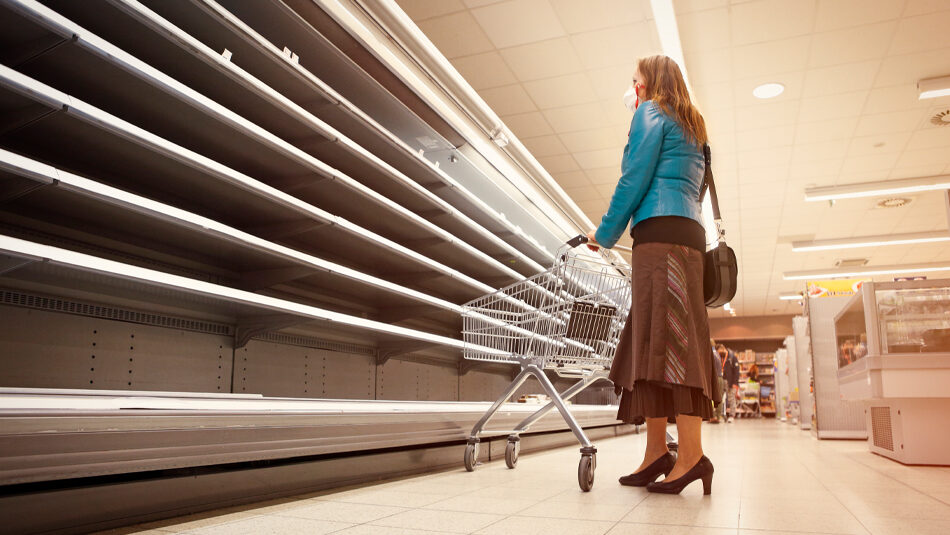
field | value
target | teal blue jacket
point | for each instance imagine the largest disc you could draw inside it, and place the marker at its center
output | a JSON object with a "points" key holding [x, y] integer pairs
{"points": [[660, 175]]}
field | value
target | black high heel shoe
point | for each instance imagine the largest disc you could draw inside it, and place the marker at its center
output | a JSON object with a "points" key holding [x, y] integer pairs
{"points": [[703, 469], [663, 465]]}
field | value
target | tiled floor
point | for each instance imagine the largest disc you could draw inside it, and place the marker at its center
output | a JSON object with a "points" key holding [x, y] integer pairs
{"points": [[771, 478]]}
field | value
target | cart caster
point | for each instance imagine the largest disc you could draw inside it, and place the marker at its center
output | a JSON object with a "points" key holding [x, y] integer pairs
{"points": [[471, 456], [585, 472], [511, 452]]}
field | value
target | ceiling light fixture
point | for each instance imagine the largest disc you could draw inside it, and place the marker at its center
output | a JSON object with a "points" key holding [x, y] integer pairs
{"points": [[878, 189], [864, 271], [770, 90], [870, 241], [790, 296], [933, 87], [665, 18]]}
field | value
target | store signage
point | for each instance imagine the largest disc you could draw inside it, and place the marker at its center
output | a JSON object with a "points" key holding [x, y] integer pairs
{"points": [[834, 287]]}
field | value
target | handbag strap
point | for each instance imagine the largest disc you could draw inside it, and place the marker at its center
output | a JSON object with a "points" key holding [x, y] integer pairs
{"points": [[710, 184]]}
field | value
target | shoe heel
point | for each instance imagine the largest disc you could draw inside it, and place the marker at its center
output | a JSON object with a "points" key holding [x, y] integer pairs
{"points": [[707, 484]]}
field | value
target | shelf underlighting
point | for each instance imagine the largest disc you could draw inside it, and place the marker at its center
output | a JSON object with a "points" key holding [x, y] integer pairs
{"points": [[878, 189], [770, 90], [933, 87], [864, 271], [871, 241]]}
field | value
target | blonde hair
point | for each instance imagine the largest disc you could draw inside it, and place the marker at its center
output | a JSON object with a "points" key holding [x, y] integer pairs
{"points": [[664, 84]]}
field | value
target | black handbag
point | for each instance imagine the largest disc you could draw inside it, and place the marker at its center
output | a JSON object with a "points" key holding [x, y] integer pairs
{"points": [[720, 268]]}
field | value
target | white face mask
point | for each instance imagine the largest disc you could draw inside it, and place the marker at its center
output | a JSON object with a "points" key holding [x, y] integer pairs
{"points": [[630, 99]]}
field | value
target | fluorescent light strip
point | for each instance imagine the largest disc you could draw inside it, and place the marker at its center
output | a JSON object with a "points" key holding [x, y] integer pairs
{"points": [[867, 270], [56, 99], [277, 54], [148, 276], [665, 18], [933, 88], [878, 189], [146, 72], [871, 241], [791, 296]]}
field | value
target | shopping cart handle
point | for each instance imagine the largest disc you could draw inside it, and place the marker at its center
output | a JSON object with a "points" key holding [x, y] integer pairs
{"points": [[576, 240]]}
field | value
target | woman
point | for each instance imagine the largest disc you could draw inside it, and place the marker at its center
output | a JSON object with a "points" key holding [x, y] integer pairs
{"points": [[663, 366]]}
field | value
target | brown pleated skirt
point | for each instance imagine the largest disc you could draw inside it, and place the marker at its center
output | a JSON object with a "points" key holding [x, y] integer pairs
{"points": [[663, 366]]}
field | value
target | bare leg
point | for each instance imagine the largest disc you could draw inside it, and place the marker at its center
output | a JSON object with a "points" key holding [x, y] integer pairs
{"points": [[656, 442], [689, 429]]}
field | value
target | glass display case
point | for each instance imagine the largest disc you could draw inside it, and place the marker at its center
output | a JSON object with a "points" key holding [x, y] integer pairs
{"points": [[893, 341], [894, 318]]}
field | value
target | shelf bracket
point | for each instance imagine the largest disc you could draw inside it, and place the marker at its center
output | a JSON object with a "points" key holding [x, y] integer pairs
{"points": [[388, 350], [249, 327]]}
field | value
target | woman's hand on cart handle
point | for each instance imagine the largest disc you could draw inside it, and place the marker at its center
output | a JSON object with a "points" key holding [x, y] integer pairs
{"points": [[592, 241]]}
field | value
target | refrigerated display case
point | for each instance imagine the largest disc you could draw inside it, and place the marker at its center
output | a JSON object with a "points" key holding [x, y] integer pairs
{"points": [[894, 354]]}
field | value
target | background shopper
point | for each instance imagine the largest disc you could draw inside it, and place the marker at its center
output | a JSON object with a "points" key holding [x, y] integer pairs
{"points": [[663, 366], [730, 373]]}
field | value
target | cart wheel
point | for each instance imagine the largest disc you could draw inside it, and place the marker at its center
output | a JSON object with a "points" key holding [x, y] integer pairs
{"points": [[585, 472], [471, 456], [511, 453]]}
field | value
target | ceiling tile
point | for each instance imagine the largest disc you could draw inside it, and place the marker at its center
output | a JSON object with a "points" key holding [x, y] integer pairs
{"points": [[851, 45], [606, 191], [918, 34], [869, 163], [598, 158], [543, 59], [572, 179], [766, 114], [704, 30], [424, 9], [836, 14], [793, 88], [877, 144], [706, 67], [930, 138], [508, 100], [478, 3], [913, 170], [483, 71], [840, 79], [893, 98], [825, 130], [921, 7], [590, 15], [883, 123], [580, 117], [612, 82], [559, 164], [907, 69], [686, 6], [616, 46], [518, 22], [544, 146], [562, 91], [938, 156], [584, 194], [768, 157], [767, 20], [714, 96], [592, 206], [605, 175], [587, 140], [771, 57], [456, 35], [832, 107], [529, 124]]}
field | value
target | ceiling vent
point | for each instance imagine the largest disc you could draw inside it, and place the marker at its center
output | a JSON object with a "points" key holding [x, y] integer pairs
{"points": [[941, 118], [893, 202], [851, 262]]}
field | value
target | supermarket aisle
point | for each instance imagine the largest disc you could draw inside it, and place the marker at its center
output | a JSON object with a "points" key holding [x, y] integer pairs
{"points": [[770, 478]]}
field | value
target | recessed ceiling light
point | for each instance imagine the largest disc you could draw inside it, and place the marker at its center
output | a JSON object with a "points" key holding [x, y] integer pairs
{"points": [[770, 90]]}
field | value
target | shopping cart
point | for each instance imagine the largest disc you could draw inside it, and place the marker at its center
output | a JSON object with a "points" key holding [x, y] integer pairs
{"points": [[567, 319]]}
